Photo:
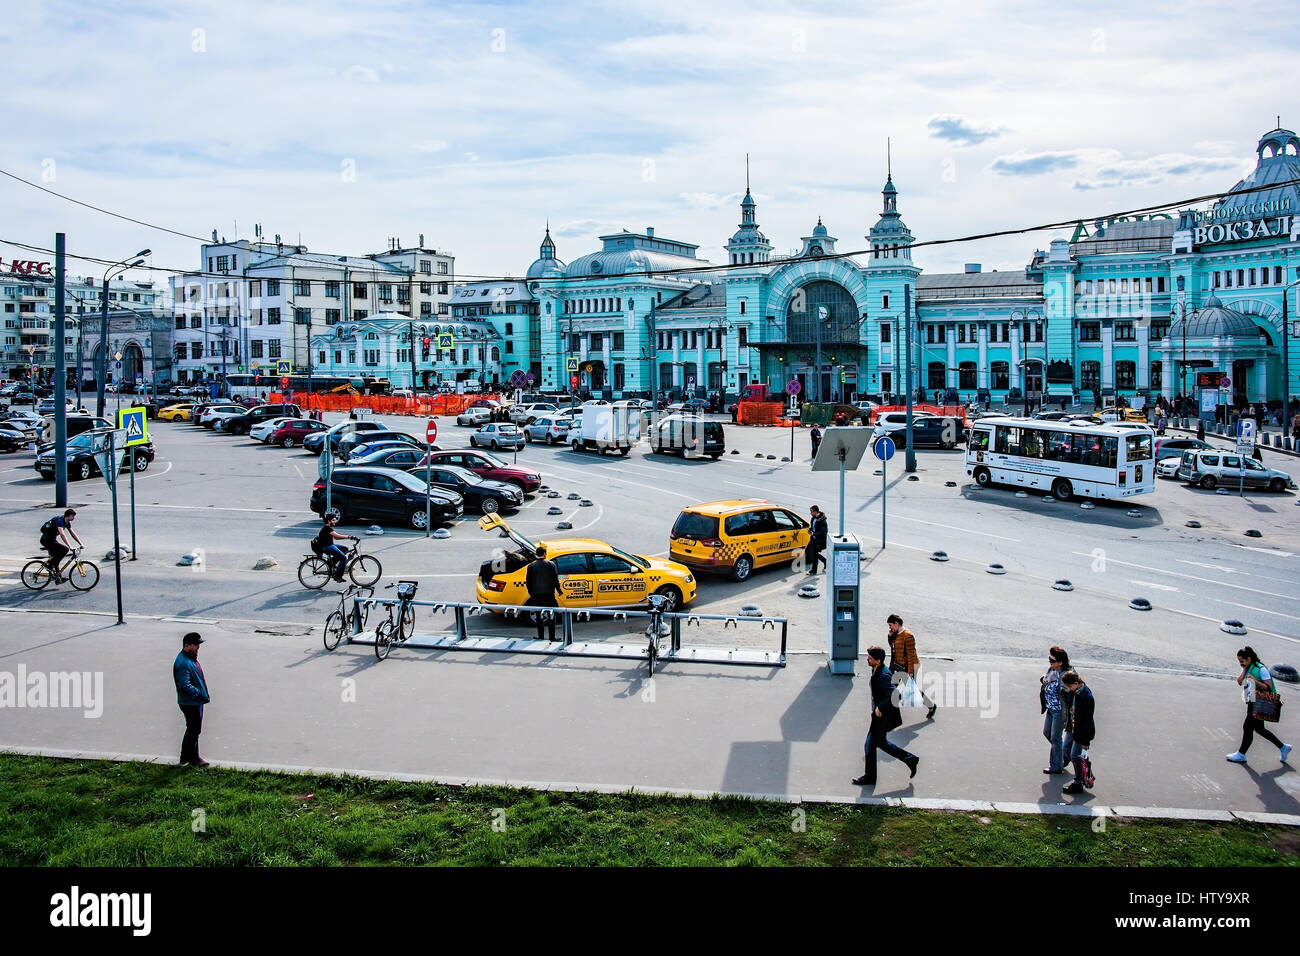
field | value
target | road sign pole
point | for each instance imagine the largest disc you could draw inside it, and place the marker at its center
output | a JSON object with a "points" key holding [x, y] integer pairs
{"points": [[884, 485], [132, 502], [117, 543]]}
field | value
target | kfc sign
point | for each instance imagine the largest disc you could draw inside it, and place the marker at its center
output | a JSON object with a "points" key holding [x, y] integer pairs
{"points": [[28, 268]]}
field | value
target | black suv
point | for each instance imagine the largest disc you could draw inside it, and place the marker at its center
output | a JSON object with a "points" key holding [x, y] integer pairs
{"points": [[931, 431], [243, 424], [385, 494], [81, 459]]}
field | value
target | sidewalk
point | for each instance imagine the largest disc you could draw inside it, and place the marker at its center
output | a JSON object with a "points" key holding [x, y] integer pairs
{"points": [[792, 734]]}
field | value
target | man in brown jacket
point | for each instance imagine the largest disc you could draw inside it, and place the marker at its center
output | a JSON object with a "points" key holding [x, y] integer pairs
{"points": [[903, 659]]}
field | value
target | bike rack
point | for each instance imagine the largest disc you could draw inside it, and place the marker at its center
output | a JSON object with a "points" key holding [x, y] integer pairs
{"points": [[567, 646]]}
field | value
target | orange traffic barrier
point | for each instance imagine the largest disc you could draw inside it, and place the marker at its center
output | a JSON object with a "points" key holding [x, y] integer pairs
{"points": [[420, 405], [760, 413]]}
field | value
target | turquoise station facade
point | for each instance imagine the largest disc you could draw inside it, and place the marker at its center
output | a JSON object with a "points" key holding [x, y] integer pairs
{"points": [[1133, 307]]}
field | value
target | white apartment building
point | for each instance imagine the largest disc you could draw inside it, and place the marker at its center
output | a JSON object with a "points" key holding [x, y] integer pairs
{"points": [[253, 304]]}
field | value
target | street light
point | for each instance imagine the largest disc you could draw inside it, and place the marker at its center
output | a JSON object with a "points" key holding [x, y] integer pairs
{"points": [[116, 269], [1173, 315], [1286, 354], [1027, 316]]}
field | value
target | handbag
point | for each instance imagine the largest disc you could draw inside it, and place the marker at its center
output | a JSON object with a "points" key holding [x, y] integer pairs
{"points": [[1266, 706]]}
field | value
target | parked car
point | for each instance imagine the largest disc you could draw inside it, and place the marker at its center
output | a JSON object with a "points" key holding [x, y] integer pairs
{"points": [[81, 458], [337, 432], [76, 424], [265, 429], [297, 431], [688, 436], [549, 430], [385, 494], [390, 444], [527, 414], [1168, 467], [11, 439], [386, 455], [243, 424], [474, 415], [932, 432], [357, 440], [1174, 447], [488, 466], [176, 413], [497, 435], [1210, 469], [213, 412], [692, 406], [483, 495]]}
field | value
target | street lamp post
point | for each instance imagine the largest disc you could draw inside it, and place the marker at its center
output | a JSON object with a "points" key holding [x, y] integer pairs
{"points": [[1286, 353], [1027, 316], [118, 268], [1174, 315]]}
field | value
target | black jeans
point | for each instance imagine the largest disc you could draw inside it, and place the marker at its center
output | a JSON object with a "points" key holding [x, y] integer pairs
{"points": [[812, 554], [548, 601], [193, 727], [876, 740], [57, 553], [1250, 728]]}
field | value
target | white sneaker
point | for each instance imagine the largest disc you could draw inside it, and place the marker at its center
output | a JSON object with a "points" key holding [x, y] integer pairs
{"points": [[1286, 752], [1238, 757]]}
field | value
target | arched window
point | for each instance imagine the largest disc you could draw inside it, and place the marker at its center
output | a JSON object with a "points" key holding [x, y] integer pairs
{"points": [[828, 303], [496, 354], [1126, 374], [1000, 375], [1089, 376], [936, 375], [1157, 375], [966, 375]]}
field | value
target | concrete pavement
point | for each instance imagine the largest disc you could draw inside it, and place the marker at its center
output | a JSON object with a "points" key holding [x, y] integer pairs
{"points": [[794, 734]]}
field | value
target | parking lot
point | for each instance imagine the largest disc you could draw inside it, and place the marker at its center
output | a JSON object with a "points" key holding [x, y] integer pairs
{"points": [[237, 502]]}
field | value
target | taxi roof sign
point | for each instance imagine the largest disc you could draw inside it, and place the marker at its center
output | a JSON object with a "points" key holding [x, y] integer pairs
{"points": [[135, 424]]}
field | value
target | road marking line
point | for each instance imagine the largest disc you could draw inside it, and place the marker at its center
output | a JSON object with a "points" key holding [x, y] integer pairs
{"points": [[1275, 553], [1152, 584], [1193, 577]]}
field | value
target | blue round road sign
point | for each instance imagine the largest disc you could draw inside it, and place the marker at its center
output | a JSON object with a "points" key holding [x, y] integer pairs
{"points": [[793, 387], [519, 378], [883, 448]]}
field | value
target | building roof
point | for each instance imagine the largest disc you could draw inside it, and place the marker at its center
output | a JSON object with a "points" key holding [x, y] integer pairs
{"points": [[487, 292], [309, 259], [1216, 320], [957, 285], [1279, 161], [630, 261], [1145, 235], [706, 295]]}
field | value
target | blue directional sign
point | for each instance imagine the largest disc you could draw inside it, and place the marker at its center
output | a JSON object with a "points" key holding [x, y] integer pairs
{"points": [[884, 448], [133, 421]]}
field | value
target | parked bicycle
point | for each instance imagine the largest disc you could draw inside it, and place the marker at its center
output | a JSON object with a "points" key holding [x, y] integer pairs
{"points": [[82, 575], [364, 569], [657, 631], [397, 631], [342, 622]]}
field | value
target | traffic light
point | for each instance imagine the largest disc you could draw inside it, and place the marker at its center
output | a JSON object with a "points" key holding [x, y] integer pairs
{"points": [[426, 343], [257, 379]]}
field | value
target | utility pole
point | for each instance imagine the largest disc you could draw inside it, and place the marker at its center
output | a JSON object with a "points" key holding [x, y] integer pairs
{"points": [[907, 358], [654, 365], [102, 363], [820, 315], [60, 381]]}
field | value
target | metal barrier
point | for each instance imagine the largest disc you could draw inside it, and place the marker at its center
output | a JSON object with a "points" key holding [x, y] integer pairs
{"points": [[660, 626]]}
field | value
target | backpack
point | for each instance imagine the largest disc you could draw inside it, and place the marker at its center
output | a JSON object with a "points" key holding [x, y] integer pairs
{"points": [[48, 531]]}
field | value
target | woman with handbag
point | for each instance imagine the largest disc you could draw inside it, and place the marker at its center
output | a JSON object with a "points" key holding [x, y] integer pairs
{"points": [[1262, 703], [1051, 698]]}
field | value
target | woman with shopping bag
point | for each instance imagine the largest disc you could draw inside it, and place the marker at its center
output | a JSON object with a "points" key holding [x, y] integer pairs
{"points": [[903, 662], [1262, 704], [1051, 698]]}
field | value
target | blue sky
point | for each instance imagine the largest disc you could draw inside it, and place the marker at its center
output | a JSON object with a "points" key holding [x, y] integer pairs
{"points": [[475, 123]]}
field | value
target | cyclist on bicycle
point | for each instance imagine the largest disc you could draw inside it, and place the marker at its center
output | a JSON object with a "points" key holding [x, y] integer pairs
{"points": [[54, 529], [323, 544]]}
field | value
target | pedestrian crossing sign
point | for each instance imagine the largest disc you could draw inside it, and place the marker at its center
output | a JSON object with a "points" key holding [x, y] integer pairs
{"points": [[134, 423], [571, 365], [283, 368], [446, 341]]}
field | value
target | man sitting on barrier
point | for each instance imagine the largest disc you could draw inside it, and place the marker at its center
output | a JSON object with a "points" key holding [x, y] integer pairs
{"points": [[543, 582]]}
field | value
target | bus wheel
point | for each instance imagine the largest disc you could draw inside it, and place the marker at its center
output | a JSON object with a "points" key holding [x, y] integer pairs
{"points": [[1062, 489], [983, 478]]}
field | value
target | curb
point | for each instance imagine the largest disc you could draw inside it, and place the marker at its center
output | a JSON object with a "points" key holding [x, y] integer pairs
{"points": [[907, 803]]}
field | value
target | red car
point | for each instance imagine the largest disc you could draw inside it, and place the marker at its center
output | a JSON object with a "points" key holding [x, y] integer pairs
{"points": [[292, 433], [485, 466]]}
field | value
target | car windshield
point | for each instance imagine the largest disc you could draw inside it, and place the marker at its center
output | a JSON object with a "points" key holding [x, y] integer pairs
{"points": [[492, 461], [464, 474], [80, 441], [632, 558], [409, 481]]}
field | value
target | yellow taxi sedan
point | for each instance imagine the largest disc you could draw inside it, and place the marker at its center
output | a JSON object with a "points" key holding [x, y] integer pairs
{"points": [[593, 574], [738, 536], [176, 413]]}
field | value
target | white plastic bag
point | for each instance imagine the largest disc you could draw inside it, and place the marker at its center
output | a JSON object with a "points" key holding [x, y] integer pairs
{"points": [[909, 694]]}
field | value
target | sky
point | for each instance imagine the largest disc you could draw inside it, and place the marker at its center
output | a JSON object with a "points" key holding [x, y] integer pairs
{"points": [[340, 125]]}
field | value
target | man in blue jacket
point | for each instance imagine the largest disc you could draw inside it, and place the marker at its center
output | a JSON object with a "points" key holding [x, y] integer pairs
{"points": [[885, 716], [191, 694]]}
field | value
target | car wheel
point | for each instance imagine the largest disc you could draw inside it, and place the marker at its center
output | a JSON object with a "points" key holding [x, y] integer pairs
{"points": [[550, 439], [418, 519], [1209, 482], [141, 463], [84, 470], [495, 446], [286, 442], [1061, 488], [743, 568], [490, 506], [473, 442], [672, 597], [1277, 485], [983, 478]]}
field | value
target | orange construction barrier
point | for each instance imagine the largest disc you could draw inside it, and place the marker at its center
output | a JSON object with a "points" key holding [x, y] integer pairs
{"points": [[760, 413], [421, 405]]}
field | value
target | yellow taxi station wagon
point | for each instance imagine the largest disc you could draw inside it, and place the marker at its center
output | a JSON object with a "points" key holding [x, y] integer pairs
{"points": [[592, 573], [736, 537]]}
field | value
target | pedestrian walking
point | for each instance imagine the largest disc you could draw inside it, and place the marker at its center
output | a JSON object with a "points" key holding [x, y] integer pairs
{"points": [[542, 580], [191, 695], [1200, 429], [816, 436], [1258, 687], [903, 659], [816, 541], [1051, 698], [1080, 730], [1295, 427], [884, 718], [1257, 455]]}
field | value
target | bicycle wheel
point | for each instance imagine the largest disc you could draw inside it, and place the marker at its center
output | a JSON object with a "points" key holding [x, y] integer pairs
{"points": [[335, 630], [36, 574], [365, 570], [83, 575], [383, 639], [406, 625], [651, 653], [314, 573]]}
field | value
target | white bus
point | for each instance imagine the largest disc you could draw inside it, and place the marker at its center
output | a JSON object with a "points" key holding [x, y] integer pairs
{"points": [[1092, 461]]}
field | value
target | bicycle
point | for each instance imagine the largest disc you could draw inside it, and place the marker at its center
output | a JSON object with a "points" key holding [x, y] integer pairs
{"points": [[364, 569], [82, 575], [342, 622], [657, 630], [392, 632]]}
